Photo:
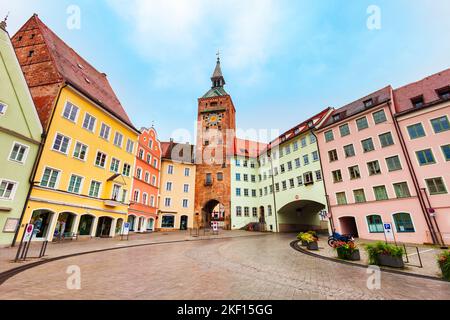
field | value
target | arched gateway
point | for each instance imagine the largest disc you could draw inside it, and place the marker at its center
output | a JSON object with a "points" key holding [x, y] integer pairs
{"points": [[301, 215]]}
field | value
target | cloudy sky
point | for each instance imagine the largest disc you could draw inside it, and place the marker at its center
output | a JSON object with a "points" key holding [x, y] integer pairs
{"points": [[283, 60]]}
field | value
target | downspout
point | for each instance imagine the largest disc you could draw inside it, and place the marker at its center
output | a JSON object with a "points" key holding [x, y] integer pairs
{"points": [[274, 191], [36, 163], [413, 176]]}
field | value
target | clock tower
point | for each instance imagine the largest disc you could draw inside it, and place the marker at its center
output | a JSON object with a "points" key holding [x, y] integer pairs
{"points": [[216, 126]]}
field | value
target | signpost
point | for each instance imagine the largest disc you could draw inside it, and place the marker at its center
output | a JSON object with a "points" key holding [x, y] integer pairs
{"points": [[25, 243], [389, 232], [125, 231], [215, 227]]}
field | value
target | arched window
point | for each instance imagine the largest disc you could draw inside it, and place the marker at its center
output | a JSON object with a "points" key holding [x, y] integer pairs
{"points": [[375, 224], [403, 222]]}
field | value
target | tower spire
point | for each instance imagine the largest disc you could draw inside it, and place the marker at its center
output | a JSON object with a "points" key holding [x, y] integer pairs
{"points": [[218, 81], [3, 24]]}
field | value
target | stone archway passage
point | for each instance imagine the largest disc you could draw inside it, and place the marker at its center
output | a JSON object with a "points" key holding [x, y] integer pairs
{"points": [[86, 223], [104, 227], [207, 213], [349, 226], [301, 215]]}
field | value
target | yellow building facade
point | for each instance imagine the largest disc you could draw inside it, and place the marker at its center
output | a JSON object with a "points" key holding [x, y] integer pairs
{"points": [[177, 188], [84, 177]]}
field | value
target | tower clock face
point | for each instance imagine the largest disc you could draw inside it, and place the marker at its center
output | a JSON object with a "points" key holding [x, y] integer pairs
{"points": [[214, 119]]}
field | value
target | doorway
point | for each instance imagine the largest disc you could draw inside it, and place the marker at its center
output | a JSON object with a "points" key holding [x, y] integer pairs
{"points": [[349, 226], [41, 220], [104, 227], [85, 227], [184, 223]]}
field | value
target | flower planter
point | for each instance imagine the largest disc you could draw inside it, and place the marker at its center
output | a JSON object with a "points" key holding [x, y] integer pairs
{"points": [[445, 273], [354, 256], [313, 246], [390, 261], [304, 243]]}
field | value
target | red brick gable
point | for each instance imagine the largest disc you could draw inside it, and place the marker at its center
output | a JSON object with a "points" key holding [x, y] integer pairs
{"points": [[47, 61]]}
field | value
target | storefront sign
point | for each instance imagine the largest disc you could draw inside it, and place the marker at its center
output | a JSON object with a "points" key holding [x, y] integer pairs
{"points": [[28, 233], [10, 225]]}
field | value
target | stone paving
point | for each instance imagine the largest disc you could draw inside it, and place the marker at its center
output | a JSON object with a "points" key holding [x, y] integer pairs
{"points": [[250, 268]]}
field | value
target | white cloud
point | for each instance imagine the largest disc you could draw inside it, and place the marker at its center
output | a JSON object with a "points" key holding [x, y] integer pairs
{"points": [[177, 33]]}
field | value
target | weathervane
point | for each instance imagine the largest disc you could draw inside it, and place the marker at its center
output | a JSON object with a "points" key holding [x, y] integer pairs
{"points": [[218, 55], [3, 23]]}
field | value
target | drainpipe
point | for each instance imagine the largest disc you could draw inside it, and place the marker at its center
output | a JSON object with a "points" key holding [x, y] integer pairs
{"points": [[35, 166], [443, 245], [312, 127], [273, 189], [414, 177]]}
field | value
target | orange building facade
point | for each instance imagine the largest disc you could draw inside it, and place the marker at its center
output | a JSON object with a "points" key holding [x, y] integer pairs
{"points": [[143, 211]]}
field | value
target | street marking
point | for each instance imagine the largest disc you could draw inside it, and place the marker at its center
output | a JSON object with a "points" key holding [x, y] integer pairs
{"points": [[415, 254]]}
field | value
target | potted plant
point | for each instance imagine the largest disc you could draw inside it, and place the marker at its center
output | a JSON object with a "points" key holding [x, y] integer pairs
{"points": [[384, 254], [312, 243], [347, 250], [301, 237], [444, 264]]}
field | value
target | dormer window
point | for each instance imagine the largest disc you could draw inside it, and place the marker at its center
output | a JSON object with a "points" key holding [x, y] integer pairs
{"points": [[19, 38], [32, 36], [80, 66], [87, 80], [337, 117], [368, 103], [444, 93], [418, 102]]}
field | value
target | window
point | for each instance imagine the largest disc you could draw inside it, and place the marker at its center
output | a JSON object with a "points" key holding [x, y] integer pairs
{"points": [[308, 178], [7, 189], [238, 192], [284, 184], [299, 181], [238, 163], [298, 164], [246, 212], [354, 172], [333, 155], [167, 202], [115, 164], [254, 193], [118, 140], [344, 130], [367, 145], [319, 175], [359, 195], [50, 178], [139, 173], [425, 157], [115, 192], [386, 140], [349, 151], [440, 124], [150, 144], [238, 211], [246, 193], [416, 131], [375, 224], [402, 190], [75, 184], [341, 198], [269, 210], [220, 176], [288, 150], [312, 139], [255, 212], [155, 163], [306, 159], [315, 156], [94, 189], [418, 102], [126, 169], [444, 93], [89, 122], [186, 188], [436, 186], [329, 136], [187, 172], [379, 117], [70, 112], [105, 131], [368, 103], [168, 222], [170, 169], [403, 222], [124, 196], [246, 177], [291, 183], [238, 177], [149, 158], [304, 143], [393, 163], [3, 108], [153, 180], [80, 151], [289, 164], [61, 143], [100, 160], [141, 154], [130, 146], [380, 193], [295, 146], [169, 186], [282, 169], [253, 177], [185, 203], [19, 153], [208, 180], [145, 198], [152, 201], [337, 176], [374, 168], [446, 152], [362, 123]]}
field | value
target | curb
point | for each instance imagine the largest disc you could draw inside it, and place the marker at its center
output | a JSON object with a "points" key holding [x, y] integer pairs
{"points": [[6, 275], [295, 246]]}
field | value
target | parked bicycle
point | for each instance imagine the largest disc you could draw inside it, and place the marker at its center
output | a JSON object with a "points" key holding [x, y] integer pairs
{"points": [[337, 237]]}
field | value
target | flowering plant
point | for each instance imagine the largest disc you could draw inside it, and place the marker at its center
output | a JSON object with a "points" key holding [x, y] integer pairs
{"points": [[345, 250], [307, 237], [444, 263], [381, 248]]}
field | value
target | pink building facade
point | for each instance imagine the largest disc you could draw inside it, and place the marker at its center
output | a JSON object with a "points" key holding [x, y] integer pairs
{"points": [[423, 110], [367, 175]]}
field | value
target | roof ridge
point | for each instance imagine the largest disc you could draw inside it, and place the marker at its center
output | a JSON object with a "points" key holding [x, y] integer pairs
{"points": [[423, 79]]}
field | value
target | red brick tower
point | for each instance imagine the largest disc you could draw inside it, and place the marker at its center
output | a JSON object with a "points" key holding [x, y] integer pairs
{"points": [[215, 141]]}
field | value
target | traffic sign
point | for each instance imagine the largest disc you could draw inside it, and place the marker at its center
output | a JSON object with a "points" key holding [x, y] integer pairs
{"points": [[28, 233], [388, 231], [126, 228]]}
